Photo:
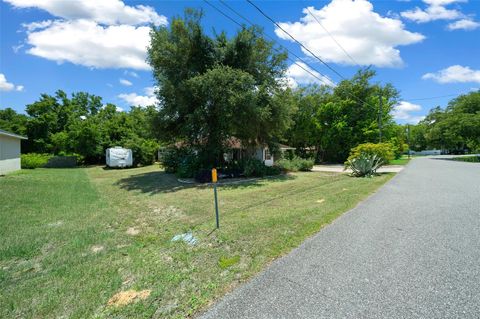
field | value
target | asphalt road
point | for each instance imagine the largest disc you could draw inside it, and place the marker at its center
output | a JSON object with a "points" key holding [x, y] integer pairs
{"points": [[412, 250]]}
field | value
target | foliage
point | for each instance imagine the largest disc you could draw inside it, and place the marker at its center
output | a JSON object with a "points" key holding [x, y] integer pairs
{"points": [[455, 128], [81, 124], [144, 150], [181, 159], [469, 159], [253, 167], [34, 160], [215, 88], [329, 122], [295, 164], [364, 165], [383, 151], [13, 122]]}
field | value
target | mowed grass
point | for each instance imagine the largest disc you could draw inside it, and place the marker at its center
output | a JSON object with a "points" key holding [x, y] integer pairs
{"points": [[403, 160], [73, 238]]}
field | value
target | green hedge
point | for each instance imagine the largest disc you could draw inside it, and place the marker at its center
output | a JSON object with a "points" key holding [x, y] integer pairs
{"points": [[382, 150], [295, 164], [34, 160], [470, 159]]}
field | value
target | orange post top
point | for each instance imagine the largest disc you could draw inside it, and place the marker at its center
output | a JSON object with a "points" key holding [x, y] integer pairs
{"points": [[214, 175]]}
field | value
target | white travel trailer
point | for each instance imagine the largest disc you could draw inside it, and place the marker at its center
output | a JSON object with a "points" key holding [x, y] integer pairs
{"points": [[119, 157]]}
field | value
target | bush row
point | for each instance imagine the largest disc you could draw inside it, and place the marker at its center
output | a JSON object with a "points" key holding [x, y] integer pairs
{"points": [[185, 164], [34, 160], [295, 164]]}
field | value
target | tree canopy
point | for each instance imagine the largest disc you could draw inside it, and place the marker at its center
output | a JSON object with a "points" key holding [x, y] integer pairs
{"points": [[81, 124], [215, 88], [457, 127], [331, 121]]}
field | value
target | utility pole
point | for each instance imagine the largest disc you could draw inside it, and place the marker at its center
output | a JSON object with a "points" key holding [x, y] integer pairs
{"points": [[380, 115]]}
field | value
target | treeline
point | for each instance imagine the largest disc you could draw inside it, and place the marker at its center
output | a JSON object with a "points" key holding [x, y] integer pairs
{"points": [[329, 122], [83, 126], [453, 129], [214, 89]]}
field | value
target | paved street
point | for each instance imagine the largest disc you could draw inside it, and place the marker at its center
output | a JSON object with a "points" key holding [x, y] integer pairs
{"points": [[412, 250]]}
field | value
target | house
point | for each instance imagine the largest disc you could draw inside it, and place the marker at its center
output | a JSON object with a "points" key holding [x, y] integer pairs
{"points": [[237, 151], [9, 151]]}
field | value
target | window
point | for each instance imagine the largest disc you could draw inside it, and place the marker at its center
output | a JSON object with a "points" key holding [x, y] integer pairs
{"points": [[268, 156]]}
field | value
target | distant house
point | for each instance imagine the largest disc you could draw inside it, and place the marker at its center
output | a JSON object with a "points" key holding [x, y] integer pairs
{"points": [[9, 151], [237, 151]]}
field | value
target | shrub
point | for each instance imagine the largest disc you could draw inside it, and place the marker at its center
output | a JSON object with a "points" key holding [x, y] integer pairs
{"points": [[365, 165], [384, 151], [188, 166], [470, 159], [255, 168], [144, 150], [181, 161], [34, 160], [295, 164], [398, 147]]}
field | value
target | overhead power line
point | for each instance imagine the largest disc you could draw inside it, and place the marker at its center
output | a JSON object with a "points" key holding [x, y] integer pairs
{"points": [[432, 97], [314, 75], [333, 38], [293, 38], [323, 77], [303, 46]]}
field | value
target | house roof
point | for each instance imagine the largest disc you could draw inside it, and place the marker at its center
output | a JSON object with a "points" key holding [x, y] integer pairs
{"points": [[5, 133], [286, 147]]}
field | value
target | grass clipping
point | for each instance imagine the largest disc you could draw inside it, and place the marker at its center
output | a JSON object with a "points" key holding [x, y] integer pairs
{"points": [[124, 298]]}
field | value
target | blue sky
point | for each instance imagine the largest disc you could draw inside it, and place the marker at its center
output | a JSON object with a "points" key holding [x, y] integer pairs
{"points": [[424, 48]]}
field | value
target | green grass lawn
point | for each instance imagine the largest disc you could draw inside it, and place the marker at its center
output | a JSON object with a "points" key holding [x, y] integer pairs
{"points": [[401, 161], [469, 159], [73, 238]]}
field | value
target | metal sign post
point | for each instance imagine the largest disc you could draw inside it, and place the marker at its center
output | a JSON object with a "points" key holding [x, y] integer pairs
{"points": [[214, 181]]}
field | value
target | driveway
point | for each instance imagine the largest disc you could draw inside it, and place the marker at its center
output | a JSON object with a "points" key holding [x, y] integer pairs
{"points": [[412, 250]]}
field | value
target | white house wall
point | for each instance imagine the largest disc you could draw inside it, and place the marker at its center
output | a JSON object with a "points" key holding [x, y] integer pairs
{"points": [[9, 154]]}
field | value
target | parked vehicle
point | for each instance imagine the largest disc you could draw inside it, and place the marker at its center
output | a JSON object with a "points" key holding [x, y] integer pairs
{"points": [[119, 157]]}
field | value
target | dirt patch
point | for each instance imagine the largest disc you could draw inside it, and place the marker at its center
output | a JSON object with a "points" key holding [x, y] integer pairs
{"points": [[124, 298], [320, 200], [132, 231], [97, 248]]}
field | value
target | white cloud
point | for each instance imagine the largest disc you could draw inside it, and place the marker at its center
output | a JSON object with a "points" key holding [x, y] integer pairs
{"points": [[296, 75], [403, 112], [32, 26], [108, 12], [92, 33], [368, 37], [7, 86], [464, 24], [134, 99], [131, 73], [454, 74], [125, 82], [86, 43], [435, 10]]}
